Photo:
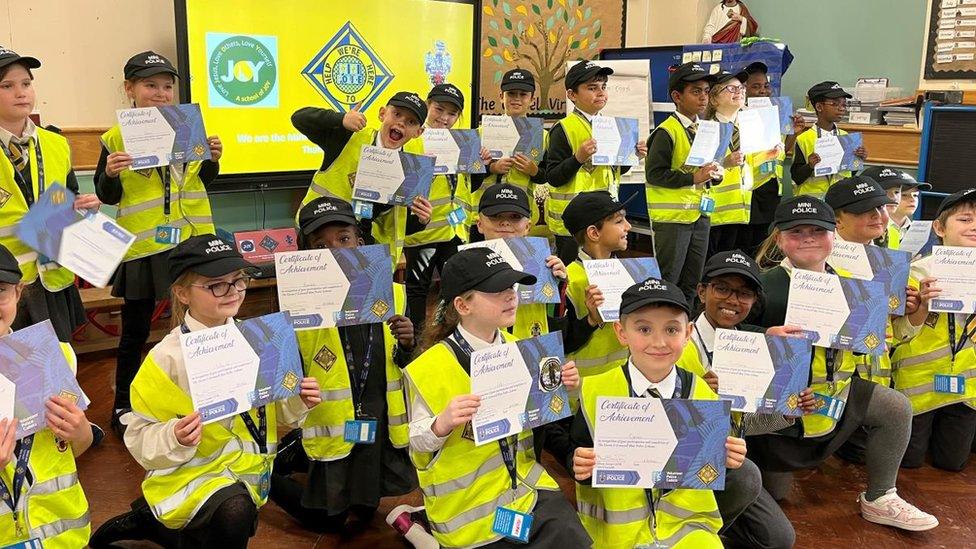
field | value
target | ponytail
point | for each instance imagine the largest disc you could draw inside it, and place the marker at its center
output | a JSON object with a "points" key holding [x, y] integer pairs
{"points": [[178, 308], [769, 255], [442, 324]]}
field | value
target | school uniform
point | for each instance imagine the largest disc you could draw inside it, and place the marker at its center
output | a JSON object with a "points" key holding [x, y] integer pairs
{"points": [[733, 195]]}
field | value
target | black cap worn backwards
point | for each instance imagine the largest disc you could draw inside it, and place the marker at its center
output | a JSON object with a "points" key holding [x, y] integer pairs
{"points": [[412, 102], [686, 73], [804, 210], [826, 90], [479, 269], [504, 198], [324, 210], [652, 291], [588, 208], [857, 195], [724, 76], [447, 93], [518, 79], [758, 66], [146, 64], [583, 72], [890, 178], [207, 255], [966, 195], [732, 262], [9, 268], [8, 57]]}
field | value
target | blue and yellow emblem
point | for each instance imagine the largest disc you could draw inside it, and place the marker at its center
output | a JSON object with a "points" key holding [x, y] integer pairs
{"points": [[347, 71]]}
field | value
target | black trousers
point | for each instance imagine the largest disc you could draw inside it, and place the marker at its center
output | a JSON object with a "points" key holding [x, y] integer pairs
{"points": [[555, 524], [680, 250], [422, 261], [136, 320], [946, 433]]}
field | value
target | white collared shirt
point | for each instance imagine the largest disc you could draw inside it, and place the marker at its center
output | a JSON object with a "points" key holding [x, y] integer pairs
{"points": [[641, 384], [685, 121], [704, 338], [29, 130], [726, 119]]}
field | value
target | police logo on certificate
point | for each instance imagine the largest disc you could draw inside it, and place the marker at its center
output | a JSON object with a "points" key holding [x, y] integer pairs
{"points": [[548, 290], [707, 474], [872, 341], [379, 308], [69, 396], [325, 358], [550, 374], [198, 150], [290, 381]]}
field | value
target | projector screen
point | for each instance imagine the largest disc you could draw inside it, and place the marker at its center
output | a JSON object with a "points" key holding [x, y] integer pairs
{"points": [[251, 64]]}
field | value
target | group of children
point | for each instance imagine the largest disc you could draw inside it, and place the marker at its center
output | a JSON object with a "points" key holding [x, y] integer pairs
{"points": [[204, 483]]}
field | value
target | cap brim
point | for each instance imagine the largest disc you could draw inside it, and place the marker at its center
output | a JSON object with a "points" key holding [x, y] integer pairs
{"points": [[29, 62], [590, 74], [447, 99], [867, 204], [504, 280], [152, 71], [322, 220], [641, 303], [721, 79], [8, 277], [835, 94], [735, 271], [797, 222], [496, 209], [221, 267], [921, 185], [522, 86]]}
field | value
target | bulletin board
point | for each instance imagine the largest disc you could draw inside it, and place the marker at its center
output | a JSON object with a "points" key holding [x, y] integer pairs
{"points": [[951, 43]]}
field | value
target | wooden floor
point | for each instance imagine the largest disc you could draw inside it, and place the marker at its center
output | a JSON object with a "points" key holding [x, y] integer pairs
{"points": [[822, 506]]}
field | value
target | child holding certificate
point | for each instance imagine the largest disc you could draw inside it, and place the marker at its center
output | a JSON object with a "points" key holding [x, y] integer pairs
{"points": [[931, 368], [161, 206], [40, 496], [896, 183], [904, 213], [204, 482], [733, 195], [654, 327], [497, 493], [804, 232]]}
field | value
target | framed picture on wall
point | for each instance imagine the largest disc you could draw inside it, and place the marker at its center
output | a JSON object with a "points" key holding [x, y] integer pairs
{"points": [[951, 42]]}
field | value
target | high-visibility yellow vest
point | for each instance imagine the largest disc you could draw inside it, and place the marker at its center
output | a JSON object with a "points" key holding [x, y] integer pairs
{"points": [[621, 517], [588, 178], [682, 205], [815, 425], [513, 177], [603, 351], [53, 508], [142, 207], [13, 206], [464, 484], [877, 368], [325, 360], [894, 237], [439, 229], [766, 167], [733, 196], [531, 320], [815, 185]]}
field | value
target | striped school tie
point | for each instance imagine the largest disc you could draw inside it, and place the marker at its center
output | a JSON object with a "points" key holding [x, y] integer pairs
{"points": [[18, 155], [734, 144]]}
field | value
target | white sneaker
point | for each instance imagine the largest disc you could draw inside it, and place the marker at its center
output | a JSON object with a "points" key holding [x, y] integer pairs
{"points": [[891, 510], [409, 522]]}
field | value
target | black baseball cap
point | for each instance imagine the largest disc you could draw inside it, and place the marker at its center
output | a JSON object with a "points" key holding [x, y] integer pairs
{"points": [[518, 79], [146, 64], [686, 73], [967, 195], [207, 255], [584, 71], [826, 90], [724, 76], [755, 67], [732, 262], [504, 198], [9, 268], [8, 57], [447, 93], [411, 102], [652, 291], [479, 269], [324, 210], [889, 178], [588, 208], [804, 210], [857, 195]]}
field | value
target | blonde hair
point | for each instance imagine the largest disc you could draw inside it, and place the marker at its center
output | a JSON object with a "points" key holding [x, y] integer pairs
{"points": [[769, 254], [444, 321], [178, 308]]}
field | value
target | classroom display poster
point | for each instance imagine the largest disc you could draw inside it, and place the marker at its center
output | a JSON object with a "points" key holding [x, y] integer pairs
{"points": [[951, 42]]}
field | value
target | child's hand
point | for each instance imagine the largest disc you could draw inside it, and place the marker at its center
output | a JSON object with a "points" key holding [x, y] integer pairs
{"points": [[570, 376], [86, 202], [525, 165], [311, 394], [584, 460], [704, 173], [459, 411], [501, 166], [813, 159], [485, 155], [189, 430], [808, 402], [735, 452], [785, 331], [594, 299], [642, 149], [861, 153], [927, 291], [116, 163], [216, 148], [798, 125], [354, 120], [402, 329], [422, 208], [557, 267], [8, 430], [912, 300], [734, 159], [585, 150], [711, 378], [66, 420]]}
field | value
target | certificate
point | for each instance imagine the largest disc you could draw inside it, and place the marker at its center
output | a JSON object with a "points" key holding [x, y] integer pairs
{"points": [[838, 312], [389, 176], [614, 276], [32, 370], [785, 105], [890, 267], [711, 143], [918, 239], [759, 129], [761, 374], [89, 244], [520, 385], [160, 136], [831, 153], [616, 141], [239, 366], [955, 269], [526, 254], [660, 443], [337, 287], [850, 143], [506, 136], [454, 151]]}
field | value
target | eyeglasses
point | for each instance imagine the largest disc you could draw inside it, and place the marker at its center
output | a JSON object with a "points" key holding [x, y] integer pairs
{"points": [[836, 104], [724, 292], [221, 289], [733, 89]]}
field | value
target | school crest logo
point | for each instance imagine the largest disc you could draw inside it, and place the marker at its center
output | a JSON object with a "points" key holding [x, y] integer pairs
{"points": [[242, 70], [707, 474], [379, 308], [437, 63], [550, 374], [325, 358], [290, 381], [347, 71], [872, 341]]}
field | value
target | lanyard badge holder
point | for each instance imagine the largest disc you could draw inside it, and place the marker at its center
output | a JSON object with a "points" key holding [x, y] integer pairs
{"points": [[362, 209], [11, 495], [361, 430], [167, 233], [953, 384], [828, 404]]}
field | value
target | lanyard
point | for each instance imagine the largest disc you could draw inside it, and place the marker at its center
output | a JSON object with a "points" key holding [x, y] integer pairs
{"points": [[21, 180], [955, 346], [164, 174], [363, 372], [710, 355], [12, 496]]}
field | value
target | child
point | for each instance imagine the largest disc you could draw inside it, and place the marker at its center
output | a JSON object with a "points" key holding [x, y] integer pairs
{"points": [[904, 213], [804, 231], [944, 421], [33, 160], [569, 170], [733, 196], [676, 201], [654, 327], [466, 486], [40, 496], [345, 479], [829, 100], [161, 206], [341, 136], [896, 184], [204, 483]]}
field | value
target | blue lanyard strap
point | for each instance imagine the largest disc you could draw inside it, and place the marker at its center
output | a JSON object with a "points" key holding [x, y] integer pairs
{"points": [[11, 495], [21, 180], [358, 375]]}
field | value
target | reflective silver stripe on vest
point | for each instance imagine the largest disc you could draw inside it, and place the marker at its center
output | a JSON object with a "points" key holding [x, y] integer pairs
{"points": [[336, 394], [482, 511], [193, 195], [395, 385], [26, 257], [562, 196], [585, 363], [173, 502], [397, 420], [838, 377], [666, 506], [672, 206], [930, 387], [324, 431], [322, 191], [59, 527], [729, 207], [142, 206], [54, 485], [724, 189], [447, 487], [686, 529], [923, 358], [7, 231], [613, 517], [440, 201], [435, 225]]}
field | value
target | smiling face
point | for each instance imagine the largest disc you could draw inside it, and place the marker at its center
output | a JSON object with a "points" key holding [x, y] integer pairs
{"points": [[503, 225], [152, 91], [398, 125], [757, 85], [517, 102], [442, 115], [908, 204], [195, 293], [806, 246], [863, 227], [16, 94], [728, 300], [612, 234], [334, 235], [656, 336], [728, 96], [959, 227]]}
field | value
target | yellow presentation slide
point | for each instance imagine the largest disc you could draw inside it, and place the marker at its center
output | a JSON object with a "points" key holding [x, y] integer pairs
{"points": [[253, 63]]}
